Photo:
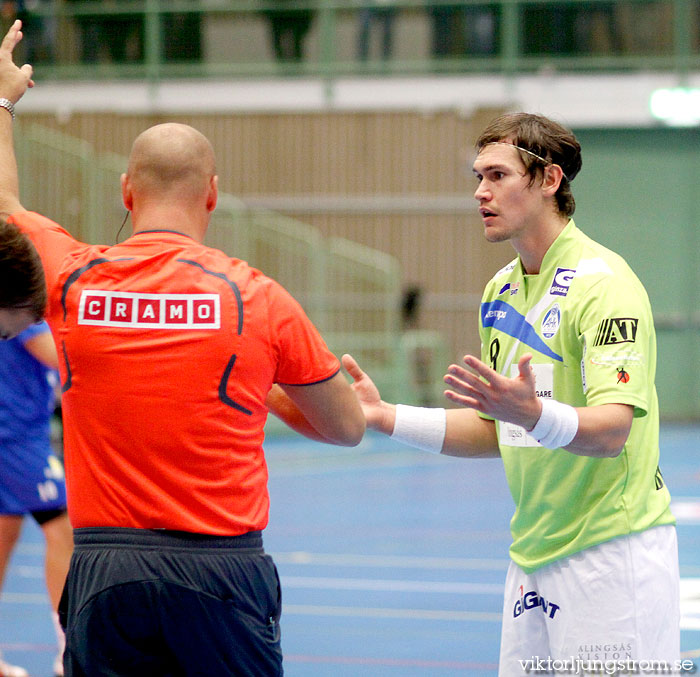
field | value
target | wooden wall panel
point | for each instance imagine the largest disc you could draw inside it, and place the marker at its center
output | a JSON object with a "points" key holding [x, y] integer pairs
{"points": [[331, 153], [400, 156]]}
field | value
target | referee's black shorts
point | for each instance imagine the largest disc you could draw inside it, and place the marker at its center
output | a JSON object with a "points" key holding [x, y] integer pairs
{"points": [[152, 603]]}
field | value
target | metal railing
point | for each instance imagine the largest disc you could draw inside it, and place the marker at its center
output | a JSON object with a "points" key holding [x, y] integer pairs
{"points": [[213, 38]]}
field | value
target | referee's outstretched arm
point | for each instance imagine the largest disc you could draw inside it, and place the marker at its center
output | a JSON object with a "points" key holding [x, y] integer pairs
{"points": [[14, 82]]}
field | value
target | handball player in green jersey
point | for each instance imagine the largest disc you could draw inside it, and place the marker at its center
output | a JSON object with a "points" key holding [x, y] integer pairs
{"points": [[564, 393]]}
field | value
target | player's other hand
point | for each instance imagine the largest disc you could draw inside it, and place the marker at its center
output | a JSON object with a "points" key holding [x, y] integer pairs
{"points": [[14, 81], [506, 399]]}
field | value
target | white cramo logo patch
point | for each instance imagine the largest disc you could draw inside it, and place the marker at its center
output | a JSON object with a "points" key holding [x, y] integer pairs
{"points": [[551, 322]]}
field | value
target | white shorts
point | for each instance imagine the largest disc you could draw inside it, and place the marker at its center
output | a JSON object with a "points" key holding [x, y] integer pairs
{"points": [[615, 602]]}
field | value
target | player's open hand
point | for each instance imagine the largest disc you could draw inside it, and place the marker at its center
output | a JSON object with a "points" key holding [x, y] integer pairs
{"points": [[505, 399], [14, 81], [379, 414]]}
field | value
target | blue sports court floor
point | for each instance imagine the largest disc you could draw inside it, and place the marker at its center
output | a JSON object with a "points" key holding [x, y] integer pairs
{"points": [[392, 560]]}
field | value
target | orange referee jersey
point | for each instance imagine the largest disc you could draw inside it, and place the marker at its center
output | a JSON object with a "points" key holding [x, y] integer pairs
{"points": [[168, 351]]}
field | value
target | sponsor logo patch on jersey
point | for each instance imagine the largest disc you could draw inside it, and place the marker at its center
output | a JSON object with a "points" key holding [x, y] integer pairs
{"points": [[562, 281], [551, 322], [533, 600], [497, 314], [506, 269], [513, 288], [620, 357], [149, 311], [658, 479], [616, 330]]}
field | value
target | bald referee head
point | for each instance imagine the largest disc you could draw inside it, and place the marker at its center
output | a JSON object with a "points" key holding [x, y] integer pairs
{"points": [[171, 175]]}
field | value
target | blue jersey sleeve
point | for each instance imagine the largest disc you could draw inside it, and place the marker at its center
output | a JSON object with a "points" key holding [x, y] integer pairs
{"points": [[32, 331]]}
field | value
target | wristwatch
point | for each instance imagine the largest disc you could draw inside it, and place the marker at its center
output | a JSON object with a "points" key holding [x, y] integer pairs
{"points": [[8, 106]]}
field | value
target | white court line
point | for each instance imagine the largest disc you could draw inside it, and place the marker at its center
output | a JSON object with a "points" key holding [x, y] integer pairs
{"points": [[383, 585], [26, 646], [24, 598], [289, 466], [690, 603], [30, 549], [374, 612], [686, 509], [26, 571], [390, 561]]}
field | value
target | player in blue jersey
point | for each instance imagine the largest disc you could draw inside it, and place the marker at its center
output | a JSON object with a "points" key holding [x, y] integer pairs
{"points": [[32, 480], [22, 303], [22, 287]]}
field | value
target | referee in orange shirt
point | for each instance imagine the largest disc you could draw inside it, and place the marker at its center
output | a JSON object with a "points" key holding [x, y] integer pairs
{"points": [[171, 355]]}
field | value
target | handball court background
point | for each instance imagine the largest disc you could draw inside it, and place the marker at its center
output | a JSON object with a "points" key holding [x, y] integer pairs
{"points": [[392, 560]]}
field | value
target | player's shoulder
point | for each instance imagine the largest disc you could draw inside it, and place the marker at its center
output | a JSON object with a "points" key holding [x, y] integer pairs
{"points": [[30, 222], [33, 331], [600, 265], [211, 259], [502, 275], [504, 279]]}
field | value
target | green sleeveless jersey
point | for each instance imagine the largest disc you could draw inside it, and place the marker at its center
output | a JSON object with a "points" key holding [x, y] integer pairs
{"points": [[587, 320]]}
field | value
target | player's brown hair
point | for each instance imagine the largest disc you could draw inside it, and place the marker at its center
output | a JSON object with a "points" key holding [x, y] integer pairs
{"points": [[548, 141], [22, 282]]}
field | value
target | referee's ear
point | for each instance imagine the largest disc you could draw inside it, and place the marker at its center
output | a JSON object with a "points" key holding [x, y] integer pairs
{"points": [[127, 196], [213, 193]]}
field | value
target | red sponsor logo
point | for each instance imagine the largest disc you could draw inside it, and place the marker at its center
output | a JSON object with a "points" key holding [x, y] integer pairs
{"points": [[153, 311], [148, 311], [204, 311], [94, 308], [176, 311], [121, 309]]}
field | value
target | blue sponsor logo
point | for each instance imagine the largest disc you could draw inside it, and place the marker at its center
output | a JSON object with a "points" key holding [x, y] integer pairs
{"points": [[513, 288], [562, 281], [531, 600], [551, 322], [503, 317]]}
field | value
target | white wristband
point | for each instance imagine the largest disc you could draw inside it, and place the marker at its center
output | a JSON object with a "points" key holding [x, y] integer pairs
{"points": [[557, 426], [420, 427]]}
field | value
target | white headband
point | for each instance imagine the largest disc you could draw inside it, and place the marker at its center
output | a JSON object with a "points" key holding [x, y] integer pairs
{"points": [[529, 152]]}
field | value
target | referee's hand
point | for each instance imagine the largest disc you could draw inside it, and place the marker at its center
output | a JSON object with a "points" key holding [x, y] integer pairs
{"points": [[14, 81], [379, 415]]}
